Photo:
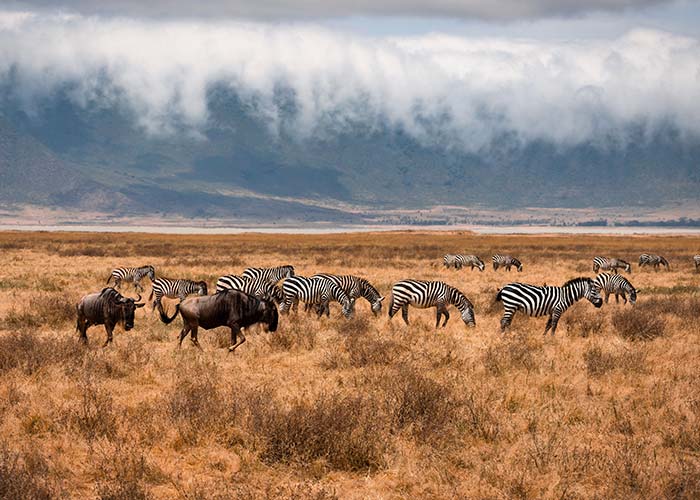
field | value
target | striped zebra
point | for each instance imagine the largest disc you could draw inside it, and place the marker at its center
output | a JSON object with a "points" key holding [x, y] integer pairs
{"points": [[164, 287], [424, 294], [647, 259], [506, 261], [617, 284], [605, 264], [546, 300], [459, 261], [355, 287], [696, 259], [315, 291], [270, 274], [257, 288], [131, 275]]}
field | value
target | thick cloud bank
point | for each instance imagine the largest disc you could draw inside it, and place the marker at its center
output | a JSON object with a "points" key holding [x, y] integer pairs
{"points": [[299, 9], [459, 92]]}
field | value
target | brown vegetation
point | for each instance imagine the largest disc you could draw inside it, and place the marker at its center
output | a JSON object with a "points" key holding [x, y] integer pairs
{"points": [[329, 408]]}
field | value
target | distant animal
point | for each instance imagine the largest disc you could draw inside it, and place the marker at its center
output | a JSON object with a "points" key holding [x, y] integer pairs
{"points": [[647, 259], [546, 300], [107, 307], [164, 287], [618, 285], [315, 291], [257, 288], [270, 274], [696, 260], [506, 261], [133, 275], [459, 261], [229, 308], [356, 287], [424, 294], [605, 264]]}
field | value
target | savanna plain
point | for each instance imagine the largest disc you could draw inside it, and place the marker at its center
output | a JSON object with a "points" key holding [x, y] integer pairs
{"points": [[362, 408]]}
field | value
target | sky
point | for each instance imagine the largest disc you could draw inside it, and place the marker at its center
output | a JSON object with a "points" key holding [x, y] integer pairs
{"points": [[458, 73]]}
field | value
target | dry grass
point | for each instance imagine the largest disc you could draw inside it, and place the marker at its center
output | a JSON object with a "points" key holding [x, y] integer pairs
{"points": [[364, 408]]}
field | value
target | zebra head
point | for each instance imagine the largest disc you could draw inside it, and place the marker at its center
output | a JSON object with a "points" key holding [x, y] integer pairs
{"points": [[591, 292], [468, 316], [201, 288], [633, 295], [348, 307], [377, 306], [151, 273], [628, 267], [288, 271], [481, 265], [519, 264]]}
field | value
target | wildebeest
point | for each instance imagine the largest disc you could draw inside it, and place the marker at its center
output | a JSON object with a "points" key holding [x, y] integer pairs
{"points": [[229, 308], [107, 308]]}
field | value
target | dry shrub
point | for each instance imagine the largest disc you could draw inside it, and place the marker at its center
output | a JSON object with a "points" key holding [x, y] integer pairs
{"points": [[364, 345], [685, 308], [88, 251], [26, 476], [482, 420], [295, 334], [638, 323], [94, 415], [518, 352], [682, 482], [44, 309], [583, 323], [344, 432], [598, 362], [30, 351], [216, 490], [123, 473]]}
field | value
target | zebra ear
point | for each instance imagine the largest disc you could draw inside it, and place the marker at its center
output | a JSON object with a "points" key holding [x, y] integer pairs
{"points": [[381, 298]]}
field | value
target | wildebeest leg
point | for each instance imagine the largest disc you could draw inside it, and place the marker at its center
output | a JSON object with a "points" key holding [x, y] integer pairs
{"points": [[235, 333], [82, 327], [109, 328], [404, 313], [183, 333], [193, 336]]}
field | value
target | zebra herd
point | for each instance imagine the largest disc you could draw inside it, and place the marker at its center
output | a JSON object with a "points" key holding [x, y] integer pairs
{"points": [[319, 290]]}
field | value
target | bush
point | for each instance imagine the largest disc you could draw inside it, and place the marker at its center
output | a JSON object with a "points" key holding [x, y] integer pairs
{"points": [[30, 351], [123, 471], [638, 323], [294, 334], [26, 476], [44, 309], [512, 352], [583, 323], [94, 415]]}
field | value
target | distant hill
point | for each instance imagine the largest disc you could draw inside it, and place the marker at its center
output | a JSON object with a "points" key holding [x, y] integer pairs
{"points": [[63, 155]]}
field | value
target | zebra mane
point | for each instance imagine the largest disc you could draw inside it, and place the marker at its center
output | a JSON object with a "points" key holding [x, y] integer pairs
{"points": [[368, 288], [575, 281], [459, 296]]}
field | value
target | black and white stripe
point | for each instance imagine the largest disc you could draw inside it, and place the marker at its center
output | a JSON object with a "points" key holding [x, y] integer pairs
{"points": [[696, 260], [164, 287], [356, 287], [506, 261], [131, 275], [270, 274], [546, 300], [647, 259], [605, 264], [257, 288], [618, 285], [424, 294], [315, 291], [458, 261]]}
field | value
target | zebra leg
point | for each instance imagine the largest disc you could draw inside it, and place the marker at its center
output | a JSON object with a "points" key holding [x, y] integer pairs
{"points": [[404, 313], [624, 297], [549, 325], [554, 321], [439, 315], [607, 296], [617, 298], [235, 342], [447, 317], [506, 320]]}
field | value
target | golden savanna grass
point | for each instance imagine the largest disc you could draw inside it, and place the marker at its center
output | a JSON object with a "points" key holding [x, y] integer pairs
{"points": [[365, 408]]}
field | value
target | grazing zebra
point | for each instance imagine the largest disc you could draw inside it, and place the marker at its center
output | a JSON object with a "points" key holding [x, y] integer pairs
{"points": [[355, 287], [647, 259], [175, 289], [605, 264], [257, 288], [315, 291], [131, 275], [459, 261], [506, 261], [617, 284], [424, 294], [270, 274], [696, 259], [540, 300]]}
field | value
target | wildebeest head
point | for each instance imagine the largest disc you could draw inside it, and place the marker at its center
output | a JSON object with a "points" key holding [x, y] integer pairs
{"points": [[269, 317], [126, 308], [202, 288]]}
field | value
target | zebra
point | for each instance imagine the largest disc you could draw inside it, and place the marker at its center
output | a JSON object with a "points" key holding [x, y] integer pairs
{"points": [[316, 291], [605, 264], [506, 261], [175, 289], [356, 287], [133, 275], [424, 294], [540, 300], [647, 259], [459, 261], [617, 284], [257, 288], [270, 274], [696, 259]]}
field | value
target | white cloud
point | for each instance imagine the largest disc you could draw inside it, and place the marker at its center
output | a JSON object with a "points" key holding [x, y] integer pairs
{"points": [[462, 92]]}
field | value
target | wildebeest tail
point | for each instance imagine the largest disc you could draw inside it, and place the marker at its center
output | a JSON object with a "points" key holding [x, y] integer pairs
{"points": [[164, 317], [150, 297]]}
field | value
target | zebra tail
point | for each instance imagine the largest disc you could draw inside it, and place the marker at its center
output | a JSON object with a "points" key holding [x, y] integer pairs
{"points": [[164, 317], [109, 279], [498, 295], [150, 297]]}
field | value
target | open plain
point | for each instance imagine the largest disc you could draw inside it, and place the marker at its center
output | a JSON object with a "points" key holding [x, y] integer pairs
{"points": [[360, 408]]}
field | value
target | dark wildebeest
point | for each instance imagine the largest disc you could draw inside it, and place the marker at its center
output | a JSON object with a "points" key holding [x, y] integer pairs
{"points": [[226, 308], [107, 308]]}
